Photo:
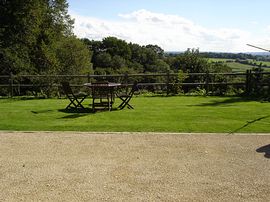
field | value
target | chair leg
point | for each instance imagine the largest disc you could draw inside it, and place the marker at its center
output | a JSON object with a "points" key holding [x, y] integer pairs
{"points": [[79, 103], [129, 106], [76, 103], [93, 105], [125, 102], [109, 104], [71, 103]]}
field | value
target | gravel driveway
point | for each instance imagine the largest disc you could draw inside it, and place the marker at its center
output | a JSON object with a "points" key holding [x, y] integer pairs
{"points": [[73, 166]]}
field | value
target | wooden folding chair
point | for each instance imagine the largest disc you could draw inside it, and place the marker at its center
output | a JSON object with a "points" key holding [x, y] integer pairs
{"points": [[75, 99], [126, 97]]}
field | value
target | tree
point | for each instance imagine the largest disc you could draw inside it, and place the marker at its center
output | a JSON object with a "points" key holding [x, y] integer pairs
{"points": [[103, 60], [118, 62], [115, 46], [56, 24], [159, 51], [191, 61], [94, 46], [73, 57], [29, 34], [20, 23]]}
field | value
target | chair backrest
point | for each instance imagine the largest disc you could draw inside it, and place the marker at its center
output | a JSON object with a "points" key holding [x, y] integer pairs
{"points": [[66, 88], [100, 90], [135, 86], [127, 97]]}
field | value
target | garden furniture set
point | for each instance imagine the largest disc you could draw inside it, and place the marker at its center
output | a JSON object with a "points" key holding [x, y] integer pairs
{"points": [[103, 95]]}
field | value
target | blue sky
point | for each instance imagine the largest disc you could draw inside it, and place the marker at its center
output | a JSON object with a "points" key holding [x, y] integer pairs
{"points": [[175, 25]]}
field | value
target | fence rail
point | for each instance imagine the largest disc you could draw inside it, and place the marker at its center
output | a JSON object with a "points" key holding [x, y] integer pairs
{"points": [[12, 83]]}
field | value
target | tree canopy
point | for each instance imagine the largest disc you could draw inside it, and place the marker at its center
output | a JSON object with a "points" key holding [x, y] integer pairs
{"points": [[32, 35]]}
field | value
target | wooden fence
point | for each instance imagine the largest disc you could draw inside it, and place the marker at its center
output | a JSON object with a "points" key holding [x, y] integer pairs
{"points": [[165, 81]]}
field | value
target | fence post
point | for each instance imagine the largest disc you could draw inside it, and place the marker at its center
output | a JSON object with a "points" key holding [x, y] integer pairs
{"points": [[126, 78], [248, 75], [11, 84], [88, 77], [167, 82], [126, 81], [207, 82]]}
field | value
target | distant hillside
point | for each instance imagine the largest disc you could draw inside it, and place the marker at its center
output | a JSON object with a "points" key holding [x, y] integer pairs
{"points": [[226, 53], [259, 53]]}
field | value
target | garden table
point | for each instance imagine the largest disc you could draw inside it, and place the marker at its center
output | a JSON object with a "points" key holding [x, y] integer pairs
{"points": [[103, 94]]}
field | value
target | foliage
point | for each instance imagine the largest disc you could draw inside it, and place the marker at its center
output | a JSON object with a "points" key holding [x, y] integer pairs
{"points": [[258, 84], [240, 56], [34, 37], [219, 68], [73, 56], [116, 55], [191, 61], [115, 46]]}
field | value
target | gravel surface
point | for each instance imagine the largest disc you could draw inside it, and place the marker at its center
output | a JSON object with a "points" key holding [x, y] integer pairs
{"points": [[73, 166]]}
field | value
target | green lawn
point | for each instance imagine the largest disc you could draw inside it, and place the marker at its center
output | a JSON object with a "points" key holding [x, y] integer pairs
{"points": [[157, 114]]}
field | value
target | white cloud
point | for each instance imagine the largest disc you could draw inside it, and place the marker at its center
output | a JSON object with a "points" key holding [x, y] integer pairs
{"points": [[254, 22], [171, 32]]}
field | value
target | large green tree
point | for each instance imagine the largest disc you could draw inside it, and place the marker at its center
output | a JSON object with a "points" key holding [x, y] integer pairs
{"points": [[73, 56], [20, 27], [34, 35], [191, 61]]}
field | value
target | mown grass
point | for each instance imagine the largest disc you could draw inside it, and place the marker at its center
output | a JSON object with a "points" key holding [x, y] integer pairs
{"points": [[151, 114]]}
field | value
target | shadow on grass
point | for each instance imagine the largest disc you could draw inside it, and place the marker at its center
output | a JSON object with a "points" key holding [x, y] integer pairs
{"points": [[41, 111], [77, 113], [249, 123], [18, 98], [264, 149], [228, 101]]}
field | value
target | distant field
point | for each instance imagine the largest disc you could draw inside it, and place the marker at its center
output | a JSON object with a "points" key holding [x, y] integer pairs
{"points": [[258, 62], [239, 67], [218, 59]]}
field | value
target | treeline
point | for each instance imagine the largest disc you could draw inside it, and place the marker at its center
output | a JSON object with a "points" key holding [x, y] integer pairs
{"points": [[236, 56], [112, 55], [240, 56]]}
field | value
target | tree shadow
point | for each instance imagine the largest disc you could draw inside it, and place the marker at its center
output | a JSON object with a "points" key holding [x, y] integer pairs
{"points": [[228, 101], [249, 123], [264, 149]]}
